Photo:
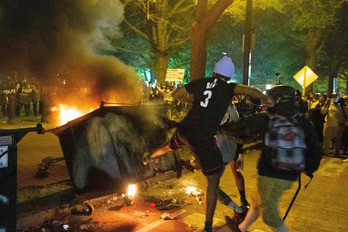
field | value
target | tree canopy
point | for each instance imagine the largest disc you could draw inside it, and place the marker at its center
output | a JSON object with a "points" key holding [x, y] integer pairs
{"points": [[289, 34]]}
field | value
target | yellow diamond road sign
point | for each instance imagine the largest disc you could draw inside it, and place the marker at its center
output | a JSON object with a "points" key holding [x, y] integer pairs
{"points": [[305, 76]]}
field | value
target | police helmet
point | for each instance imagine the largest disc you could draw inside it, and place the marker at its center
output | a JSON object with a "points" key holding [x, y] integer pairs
{"points": [[284, 99]]}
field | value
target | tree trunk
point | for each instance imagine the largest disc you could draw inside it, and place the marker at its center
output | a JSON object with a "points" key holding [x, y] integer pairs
{"points": [[162, 62], [314, 43], [198, 53], [160, 38], [204, 21]]}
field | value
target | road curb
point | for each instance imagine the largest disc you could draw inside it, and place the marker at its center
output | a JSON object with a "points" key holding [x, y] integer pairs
{"points": [[66, 209], [42, 216]]}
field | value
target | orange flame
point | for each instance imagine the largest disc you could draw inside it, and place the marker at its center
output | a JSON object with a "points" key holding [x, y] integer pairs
{"points": [[67, 114]]}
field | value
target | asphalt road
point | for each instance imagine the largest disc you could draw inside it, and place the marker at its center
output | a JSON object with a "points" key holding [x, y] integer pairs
{"points": [[323, 206]]}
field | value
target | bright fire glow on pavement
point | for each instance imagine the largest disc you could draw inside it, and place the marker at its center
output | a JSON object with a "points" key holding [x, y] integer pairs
{"points": [[192, 191]]}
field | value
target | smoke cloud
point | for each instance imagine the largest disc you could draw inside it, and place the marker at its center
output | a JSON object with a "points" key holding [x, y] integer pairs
{"points": [[41, 39]]}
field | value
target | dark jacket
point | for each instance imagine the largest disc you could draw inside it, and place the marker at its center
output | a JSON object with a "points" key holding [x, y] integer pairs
{"points": [[258, 124]]}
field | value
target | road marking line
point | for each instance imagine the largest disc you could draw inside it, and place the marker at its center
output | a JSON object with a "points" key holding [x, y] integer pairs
{"points": [[333, 168], [160, 221]]}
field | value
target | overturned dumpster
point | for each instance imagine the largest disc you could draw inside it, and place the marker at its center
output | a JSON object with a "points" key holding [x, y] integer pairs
{"points": [[104, 149]]}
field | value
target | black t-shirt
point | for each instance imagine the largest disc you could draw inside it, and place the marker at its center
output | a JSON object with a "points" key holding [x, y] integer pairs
{"points": [[211, 99]]}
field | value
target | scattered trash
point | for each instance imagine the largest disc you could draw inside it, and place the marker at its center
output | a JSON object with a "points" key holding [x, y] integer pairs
{"points": [[85, 227], [84, 208], [111, 200], [57, 223], [128, 200], [42, 171], [169, 204], [51, 160], [167, 216], [116, 208], [141, 214], [200, 200]]}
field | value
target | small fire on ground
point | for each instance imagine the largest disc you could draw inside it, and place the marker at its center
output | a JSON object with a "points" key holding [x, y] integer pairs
{"points": [[66, 113], [192, 191]]}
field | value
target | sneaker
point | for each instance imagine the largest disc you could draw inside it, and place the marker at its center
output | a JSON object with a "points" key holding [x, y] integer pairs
{"points": [[231, 224], [239, 217]]}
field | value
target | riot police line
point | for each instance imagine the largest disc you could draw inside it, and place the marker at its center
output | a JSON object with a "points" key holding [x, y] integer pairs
{"points": [[16, 95]]}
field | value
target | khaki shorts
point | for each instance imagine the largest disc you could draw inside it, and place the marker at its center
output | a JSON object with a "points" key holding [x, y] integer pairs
{"points": [[266, 197]]}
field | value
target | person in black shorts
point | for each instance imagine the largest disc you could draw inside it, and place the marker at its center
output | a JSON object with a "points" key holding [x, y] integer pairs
{"points": [[210, 98]]}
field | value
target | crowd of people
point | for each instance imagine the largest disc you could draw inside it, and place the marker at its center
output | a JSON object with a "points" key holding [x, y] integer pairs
{"points": [[329, 118], [214, 130], [163, 94], [17, 94]]}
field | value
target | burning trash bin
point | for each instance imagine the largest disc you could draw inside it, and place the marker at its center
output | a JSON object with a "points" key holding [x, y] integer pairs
{"points": [[8, 175], [104, 149]]}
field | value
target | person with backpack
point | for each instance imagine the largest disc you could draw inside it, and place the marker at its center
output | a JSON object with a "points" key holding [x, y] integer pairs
{"points": [[209, 98], [290, 146]]}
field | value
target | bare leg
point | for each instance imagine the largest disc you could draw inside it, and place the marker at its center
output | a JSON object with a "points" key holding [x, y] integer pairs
{"points": [[238, 177], [161, 151], [250, 218], [213, 184]]}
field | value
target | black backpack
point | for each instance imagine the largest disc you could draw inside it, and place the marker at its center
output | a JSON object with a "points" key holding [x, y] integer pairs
{"points": [[286, 141]]}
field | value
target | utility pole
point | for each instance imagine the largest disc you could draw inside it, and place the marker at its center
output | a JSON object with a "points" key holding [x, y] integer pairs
{"points": [[247, 44]]}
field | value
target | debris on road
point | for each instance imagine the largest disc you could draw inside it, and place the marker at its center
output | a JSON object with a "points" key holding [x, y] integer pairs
{"points": [[142, 214], [43, 171], [169, 204], [167, 216], [85, 227], [200, 200], [57, 223]]}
